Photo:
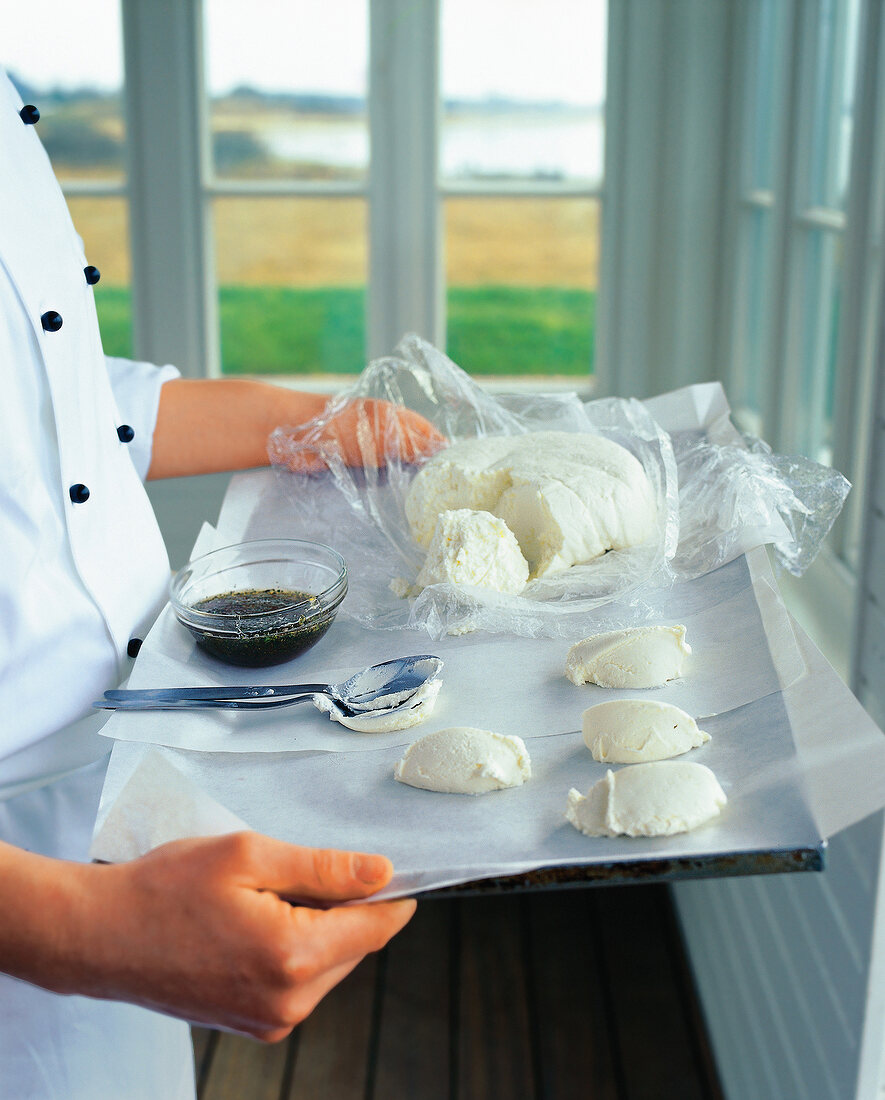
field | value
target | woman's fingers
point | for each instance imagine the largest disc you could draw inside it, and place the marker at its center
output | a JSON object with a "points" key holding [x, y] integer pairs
{"points": [[302, 874], [363, 432]]}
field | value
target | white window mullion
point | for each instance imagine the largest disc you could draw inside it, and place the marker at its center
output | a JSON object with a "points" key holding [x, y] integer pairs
{"points": [[733, 289], [862, 277], [172, 305], [784, 374], [631, 221], [609, 301], [405, 266]]}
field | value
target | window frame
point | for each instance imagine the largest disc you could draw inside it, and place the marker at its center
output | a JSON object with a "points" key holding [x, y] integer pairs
{"points": [[171, 194], [829, 598], [796, 221]]}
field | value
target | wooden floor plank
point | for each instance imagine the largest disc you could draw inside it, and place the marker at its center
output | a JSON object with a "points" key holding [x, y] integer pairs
{"points": [[414, 1036], [494, 1057], [653, 1040], [554, 996], [243, 1068], [334, 1041], [572, 1025], [708, 1074]]}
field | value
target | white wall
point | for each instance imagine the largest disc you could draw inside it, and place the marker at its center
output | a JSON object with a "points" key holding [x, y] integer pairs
{"points": [[181, 505]]}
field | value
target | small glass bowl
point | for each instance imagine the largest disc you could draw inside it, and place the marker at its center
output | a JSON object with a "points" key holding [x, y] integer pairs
{"points": [[260, 603]]}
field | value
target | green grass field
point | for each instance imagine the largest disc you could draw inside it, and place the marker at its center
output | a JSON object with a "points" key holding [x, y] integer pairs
{"points": [[493, 330]]}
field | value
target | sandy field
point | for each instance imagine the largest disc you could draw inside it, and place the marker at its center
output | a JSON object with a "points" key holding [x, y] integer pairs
{"points": [[323, 241]]}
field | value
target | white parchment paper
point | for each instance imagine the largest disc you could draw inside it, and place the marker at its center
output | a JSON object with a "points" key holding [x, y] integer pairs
{"points": [[796, 754], [742, 649], [797, 767]]}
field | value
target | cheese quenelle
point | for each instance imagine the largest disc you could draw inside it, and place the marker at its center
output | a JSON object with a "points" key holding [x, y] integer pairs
{"points": [[568, 497], [659, 799], [634, 731], [637, 657], [465, 760]]}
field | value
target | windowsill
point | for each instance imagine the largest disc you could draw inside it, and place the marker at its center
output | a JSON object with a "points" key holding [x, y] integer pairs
{"points": [[822, 602], [335, 383]]}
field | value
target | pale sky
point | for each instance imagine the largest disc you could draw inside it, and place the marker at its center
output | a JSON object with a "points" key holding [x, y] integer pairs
{"points": [[538, 49]]}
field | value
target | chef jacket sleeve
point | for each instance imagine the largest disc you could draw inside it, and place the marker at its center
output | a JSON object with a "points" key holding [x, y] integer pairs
{"points": [[136, 389]]}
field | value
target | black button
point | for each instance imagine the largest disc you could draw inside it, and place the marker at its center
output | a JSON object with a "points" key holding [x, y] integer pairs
{"points": [[51, 321], [125, 433], [92, 274], [133, 647], [79, 494], [29, 114]]}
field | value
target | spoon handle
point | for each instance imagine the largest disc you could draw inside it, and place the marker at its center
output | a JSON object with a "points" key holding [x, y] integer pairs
{"points": [[264, 703], [210, 693]]}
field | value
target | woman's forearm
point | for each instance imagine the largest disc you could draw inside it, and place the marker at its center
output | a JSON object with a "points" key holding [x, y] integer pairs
{"points": [[41, 910], [208, 425]]}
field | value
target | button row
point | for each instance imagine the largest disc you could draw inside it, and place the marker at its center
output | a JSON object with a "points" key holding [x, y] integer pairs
{"points": [[30, 116], [79, 493], [51, 321]]}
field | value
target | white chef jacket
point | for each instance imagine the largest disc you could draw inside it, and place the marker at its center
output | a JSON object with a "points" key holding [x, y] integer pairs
{"points": [[84, 572], [79, 580]]}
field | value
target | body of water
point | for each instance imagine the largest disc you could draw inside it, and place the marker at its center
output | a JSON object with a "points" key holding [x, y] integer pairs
{"points": [[522, 146]]}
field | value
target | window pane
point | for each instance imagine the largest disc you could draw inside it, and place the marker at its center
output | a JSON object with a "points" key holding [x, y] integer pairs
{"points": [[769, 34], [288, 89], [749, 392], [821, 298], [70, 64], [522, 276], [837, 34], [523, 94], [68, 60], [291, 275]]}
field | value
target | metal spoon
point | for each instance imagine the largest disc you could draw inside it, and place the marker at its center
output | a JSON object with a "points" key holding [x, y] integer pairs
{"points": [[384, 686]]}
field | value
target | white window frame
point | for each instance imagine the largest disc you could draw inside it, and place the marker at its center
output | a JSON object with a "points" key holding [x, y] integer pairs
{"points": [[826, 599], [794, 219], [172, 187]]}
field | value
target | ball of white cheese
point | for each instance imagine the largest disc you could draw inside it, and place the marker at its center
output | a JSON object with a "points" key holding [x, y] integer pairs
{"points": [[658, 799], [637, 657], [465, 760], [634, 731], [568, 497]]}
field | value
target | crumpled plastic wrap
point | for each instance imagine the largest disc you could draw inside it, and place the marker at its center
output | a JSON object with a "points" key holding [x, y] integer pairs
{"points": [[715, 499], [735, 495]]}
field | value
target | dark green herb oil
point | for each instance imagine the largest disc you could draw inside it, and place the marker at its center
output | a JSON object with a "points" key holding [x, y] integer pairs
{"points": [[256, 640]]}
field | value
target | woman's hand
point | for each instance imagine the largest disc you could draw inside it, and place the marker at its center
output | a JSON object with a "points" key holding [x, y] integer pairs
{"points": [[365, 432], [199, 928]]}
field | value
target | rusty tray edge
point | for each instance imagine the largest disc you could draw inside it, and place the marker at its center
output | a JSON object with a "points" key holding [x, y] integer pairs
{"points": [[640, 871]]}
